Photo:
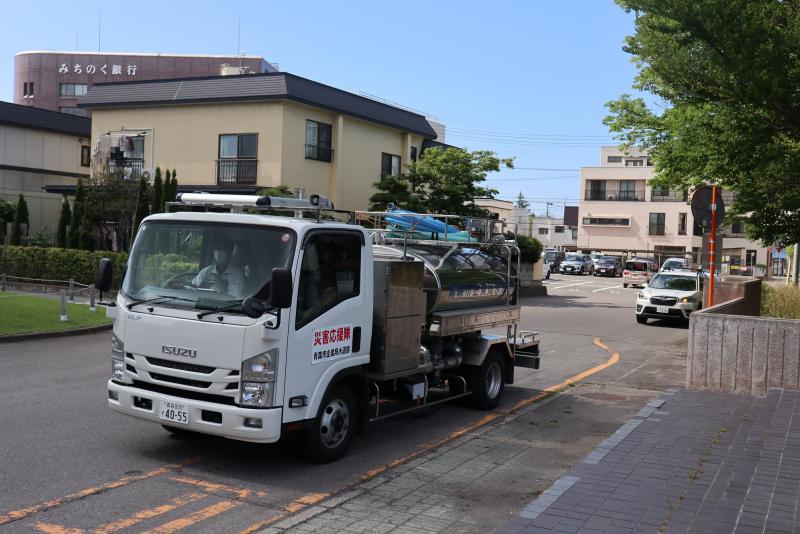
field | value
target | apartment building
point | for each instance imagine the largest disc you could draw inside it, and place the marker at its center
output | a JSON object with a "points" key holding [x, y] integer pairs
{"points": [[621, 211], [239, 134], [555, 232]]}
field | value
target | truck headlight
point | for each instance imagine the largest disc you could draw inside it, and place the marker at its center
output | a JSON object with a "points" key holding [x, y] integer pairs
{"points": [[117, 359], [687, 300], [258, 379]]}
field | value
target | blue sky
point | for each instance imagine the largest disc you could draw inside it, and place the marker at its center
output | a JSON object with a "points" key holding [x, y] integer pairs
{"points": [[527, 79]]}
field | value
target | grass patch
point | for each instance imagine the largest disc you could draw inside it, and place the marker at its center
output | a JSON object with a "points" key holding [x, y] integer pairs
{"points": [[782, 301], [23, 314]]}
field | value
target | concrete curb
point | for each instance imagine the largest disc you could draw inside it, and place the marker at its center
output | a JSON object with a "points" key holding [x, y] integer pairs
{"points": [[58, 333]]}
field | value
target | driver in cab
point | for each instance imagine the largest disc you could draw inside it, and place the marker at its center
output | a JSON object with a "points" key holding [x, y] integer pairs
{"points": [[221, 276]]}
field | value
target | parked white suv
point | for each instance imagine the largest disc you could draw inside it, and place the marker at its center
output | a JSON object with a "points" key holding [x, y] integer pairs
{"points": [[672, 264], [670, 295]]}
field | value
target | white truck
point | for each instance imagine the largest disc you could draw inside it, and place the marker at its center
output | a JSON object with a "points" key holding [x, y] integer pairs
{"points": [[236, 321]]}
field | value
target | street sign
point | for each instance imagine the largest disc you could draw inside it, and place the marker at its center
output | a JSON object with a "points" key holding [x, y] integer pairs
{"points": [[701, 205]]}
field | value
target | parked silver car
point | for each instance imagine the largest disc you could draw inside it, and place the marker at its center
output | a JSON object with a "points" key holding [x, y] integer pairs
{"points": [[576, 263]]}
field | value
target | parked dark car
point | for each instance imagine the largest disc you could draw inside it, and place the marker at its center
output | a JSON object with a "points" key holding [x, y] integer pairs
{"points": [[608, 266], [554, 258]]}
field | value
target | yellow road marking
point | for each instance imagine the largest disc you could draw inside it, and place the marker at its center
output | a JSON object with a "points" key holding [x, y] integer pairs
{"points": [[16, 515], [47, 528], [194, 517], [305, 500], [211, 487], [261, 524], [149, 514]]}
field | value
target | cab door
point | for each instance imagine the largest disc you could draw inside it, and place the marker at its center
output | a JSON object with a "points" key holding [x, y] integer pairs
{"points": [[330, 326]]}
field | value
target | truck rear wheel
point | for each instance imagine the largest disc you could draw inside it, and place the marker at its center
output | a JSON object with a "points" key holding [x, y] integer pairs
{"points": [[332, 431], [487, 382]]}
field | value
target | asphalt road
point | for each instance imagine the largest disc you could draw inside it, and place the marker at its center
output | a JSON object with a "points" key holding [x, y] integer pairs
{"points": [[70, 463]]}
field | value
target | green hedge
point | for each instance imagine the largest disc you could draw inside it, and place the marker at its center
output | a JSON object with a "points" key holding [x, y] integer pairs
{"points": [[59, 263]]}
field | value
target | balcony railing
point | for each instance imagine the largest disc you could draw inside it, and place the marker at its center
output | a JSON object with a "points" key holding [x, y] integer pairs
{"points": [[236, 171], [668, 196], [630, 195], [319, 152], [130, 169]]}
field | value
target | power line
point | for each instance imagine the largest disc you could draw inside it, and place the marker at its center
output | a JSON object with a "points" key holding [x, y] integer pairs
{"points": [[490, 133], [543, 169]]}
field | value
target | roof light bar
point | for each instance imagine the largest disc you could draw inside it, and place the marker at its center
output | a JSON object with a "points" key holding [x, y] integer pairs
{"points": [[213, 199]]}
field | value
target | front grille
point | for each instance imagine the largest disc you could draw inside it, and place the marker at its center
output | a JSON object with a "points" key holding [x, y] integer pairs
{"points": [[663, 301], [182, 393], [178, 380], [182, 366]]}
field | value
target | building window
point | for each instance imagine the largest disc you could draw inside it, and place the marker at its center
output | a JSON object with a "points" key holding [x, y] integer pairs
{"points": [[74, 111], [615, 159], [85, 156], [627, 190], [606, 221], [543, 231], [72, 89], [318, 141], [681, 224], [329, 273], [390, 165], [737, 227], [559, 229], [237, 163], [597, 190], [657, 223], [27, 90], [634, 163], [413, 153], [751, 258]]}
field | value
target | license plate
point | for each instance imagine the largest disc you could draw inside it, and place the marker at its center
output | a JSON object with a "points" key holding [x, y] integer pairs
{"points": [[175, 412], [602, 270], [569, 268], [662, 309]]}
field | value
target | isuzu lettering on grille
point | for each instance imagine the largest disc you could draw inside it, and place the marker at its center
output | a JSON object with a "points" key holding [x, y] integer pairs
{"points": [[179, 351]]}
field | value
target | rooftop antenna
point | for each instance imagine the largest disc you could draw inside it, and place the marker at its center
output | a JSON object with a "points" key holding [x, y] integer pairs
{"points": [[239, 34], [77, 31], [99, 24]]}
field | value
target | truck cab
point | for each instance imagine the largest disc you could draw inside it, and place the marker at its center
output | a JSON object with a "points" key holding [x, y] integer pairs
{"points": [[247, 325]]}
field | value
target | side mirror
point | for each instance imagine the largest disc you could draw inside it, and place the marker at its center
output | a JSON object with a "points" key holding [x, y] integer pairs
{"points": [[104, 273], [253, 307], [280, 289]]}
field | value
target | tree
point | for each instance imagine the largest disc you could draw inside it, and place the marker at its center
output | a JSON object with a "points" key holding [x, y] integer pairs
{"points": [[87, 237], [7, 210], [394, 190], [64, 221], [521, 202], [20, 218], [73, 240], [443, 181], [725, 73], [142, 209], [170, 187], [276, 191], [158, 193]]}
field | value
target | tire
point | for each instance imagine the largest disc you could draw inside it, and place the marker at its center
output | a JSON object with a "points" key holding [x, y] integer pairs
{"points": [[624, 285], [487, 382], [331, 432], [641, 319], [548, 276]]}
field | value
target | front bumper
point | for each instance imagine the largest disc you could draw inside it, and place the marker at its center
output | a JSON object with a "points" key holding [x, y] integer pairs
{"points": [[570, 269], [681, 311], [232, 417]]}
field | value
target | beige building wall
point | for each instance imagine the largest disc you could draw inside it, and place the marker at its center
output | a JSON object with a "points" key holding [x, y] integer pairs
{"points": [[36, 156], [186, 138]]}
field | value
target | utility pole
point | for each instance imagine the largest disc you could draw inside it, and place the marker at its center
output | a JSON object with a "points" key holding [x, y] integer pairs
{"points": [[796, 264], [547, 208]]}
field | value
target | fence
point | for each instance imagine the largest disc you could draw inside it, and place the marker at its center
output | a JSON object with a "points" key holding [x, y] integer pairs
{"points": [[38, 285]]}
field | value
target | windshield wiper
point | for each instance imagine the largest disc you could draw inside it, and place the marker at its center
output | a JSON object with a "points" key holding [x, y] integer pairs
{"points": [[159, 298], [231, 306]]}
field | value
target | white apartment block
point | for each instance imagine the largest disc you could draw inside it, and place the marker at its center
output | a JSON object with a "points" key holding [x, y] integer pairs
{"points": [[552, 232], [621, 212]]}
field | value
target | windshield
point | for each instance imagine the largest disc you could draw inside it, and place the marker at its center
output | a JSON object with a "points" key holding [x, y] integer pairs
{"points": [[549, 256], [673, 264], [205, 265], [574, 257], [607, 261], [671, 281], [636, 266]]}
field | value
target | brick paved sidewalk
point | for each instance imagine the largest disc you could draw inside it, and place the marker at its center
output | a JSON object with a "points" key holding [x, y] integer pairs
{"points": [[688, 462]]}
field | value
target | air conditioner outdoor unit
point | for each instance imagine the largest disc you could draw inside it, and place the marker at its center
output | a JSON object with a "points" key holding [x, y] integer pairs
{"points": [[610, 197]]}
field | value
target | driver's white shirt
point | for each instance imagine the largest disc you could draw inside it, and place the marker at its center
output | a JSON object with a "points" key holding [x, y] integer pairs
{"points": [[233, 276]]}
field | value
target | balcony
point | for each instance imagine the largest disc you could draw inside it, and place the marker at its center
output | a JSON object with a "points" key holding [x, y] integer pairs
{"points": [[236, 171], [129, 168], [319, 153], [628, 195], [659, 195]]}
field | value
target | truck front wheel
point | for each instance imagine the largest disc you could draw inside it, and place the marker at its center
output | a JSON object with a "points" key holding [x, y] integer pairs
{"points": [[487, 382], [331, 432]]}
